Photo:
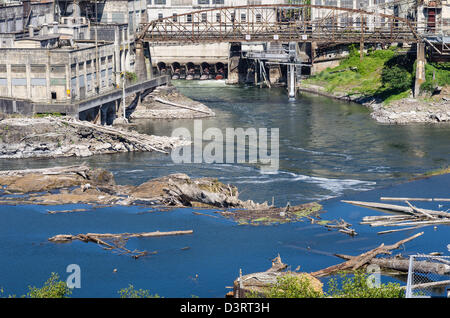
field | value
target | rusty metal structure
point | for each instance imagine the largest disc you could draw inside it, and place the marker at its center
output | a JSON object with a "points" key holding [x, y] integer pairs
{"points": [[283, 23]]}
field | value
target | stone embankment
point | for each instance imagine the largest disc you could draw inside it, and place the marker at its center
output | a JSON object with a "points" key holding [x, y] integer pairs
{"points": [[404, 111], [166, 102], [51, 137]]}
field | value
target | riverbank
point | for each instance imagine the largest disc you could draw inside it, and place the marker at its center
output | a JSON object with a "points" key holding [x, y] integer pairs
{"points": [[382, 81], [166, 102], [403, 111], [52, 137]]}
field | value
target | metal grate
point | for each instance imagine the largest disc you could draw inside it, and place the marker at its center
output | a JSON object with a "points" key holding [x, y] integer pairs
{"points": [[428, 276]]}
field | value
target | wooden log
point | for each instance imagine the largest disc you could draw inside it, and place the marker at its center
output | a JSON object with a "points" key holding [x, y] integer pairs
{"points": [[360, 260], [405, 199], [399, 230], [420, 211], [163, 101], [77, 169], [402, 265], [395, 208], [431, 284]]}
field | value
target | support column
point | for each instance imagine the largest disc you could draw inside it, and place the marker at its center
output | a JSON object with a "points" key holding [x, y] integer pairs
{"points": [[420, 68], [116, 55], [28, 74], [140, 67], [291, 81]]}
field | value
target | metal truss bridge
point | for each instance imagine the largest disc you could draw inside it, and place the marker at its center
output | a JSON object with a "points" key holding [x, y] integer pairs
{"points": [[283, 23]]}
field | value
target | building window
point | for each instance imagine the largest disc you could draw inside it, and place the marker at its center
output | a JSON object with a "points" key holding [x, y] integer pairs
{"points": [[160, 15], [174, 18], [189, 18], [160, 1], [218, 17], [204, 17], [203, 1], [53, 95], [243, 17], [218, 1], [258, 17], [149, 2]]}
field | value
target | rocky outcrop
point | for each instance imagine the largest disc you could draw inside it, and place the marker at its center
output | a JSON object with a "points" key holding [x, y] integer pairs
{"points": [[82, 184], [168, 103], [51, 137]]}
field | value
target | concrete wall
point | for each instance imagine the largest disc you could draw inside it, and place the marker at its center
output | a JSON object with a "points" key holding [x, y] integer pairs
{"points": [[195, 53]]}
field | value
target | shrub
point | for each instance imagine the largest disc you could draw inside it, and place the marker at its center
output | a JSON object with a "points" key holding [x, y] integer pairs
{"points": [[131, 292], [290, 286], [358, 287], [53, 288]]}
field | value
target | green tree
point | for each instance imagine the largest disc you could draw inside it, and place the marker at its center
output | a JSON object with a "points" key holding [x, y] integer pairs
{"points": [[131, 292], [53, 288]]}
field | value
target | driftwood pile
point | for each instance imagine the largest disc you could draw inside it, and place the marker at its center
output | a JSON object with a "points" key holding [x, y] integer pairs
{"points": [[408, 217], [356, 262], [115, 242]]}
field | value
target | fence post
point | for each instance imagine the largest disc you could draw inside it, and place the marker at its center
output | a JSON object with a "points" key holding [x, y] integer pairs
{"points": [[409, 281]]}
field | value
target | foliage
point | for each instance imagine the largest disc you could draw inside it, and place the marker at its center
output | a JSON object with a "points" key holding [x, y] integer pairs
{"points": [[53, 288], [354, 286], [131, 292], [290, 286], [131, 77], [397, 73], [384, 74], [358, 287], [441, 73], [42, 115]]}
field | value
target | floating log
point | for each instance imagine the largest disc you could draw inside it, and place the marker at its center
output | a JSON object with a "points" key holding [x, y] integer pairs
{"points": [[405, 199], [360, 260], [395, 208], [402, 264], [117, 240], [68, 237]]}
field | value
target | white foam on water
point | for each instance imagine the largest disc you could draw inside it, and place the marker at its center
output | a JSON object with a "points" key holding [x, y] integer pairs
{"points": [[320, 153]]}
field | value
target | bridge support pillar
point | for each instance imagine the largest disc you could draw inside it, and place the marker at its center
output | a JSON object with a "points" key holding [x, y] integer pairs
{"points": [[274, 74], [233, 70], [420, 68], [291, 81], [140, 66]]}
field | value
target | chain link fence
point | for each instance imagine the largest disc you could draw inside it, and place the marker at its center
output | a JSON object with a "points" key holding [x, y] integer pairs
{"points": [[428, 276]]}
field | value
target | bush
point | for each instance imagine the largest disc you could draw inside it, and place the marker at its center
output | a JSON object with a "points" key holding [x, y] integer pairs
{"points": [[358, 287], [131, 292], [290, 286], [53, 288], [396, 78], [355, 286]]}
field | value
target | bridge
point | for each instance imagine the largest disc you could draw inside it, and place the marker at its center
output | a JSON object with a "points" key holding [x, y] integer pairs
{"points": [[284, 23]]}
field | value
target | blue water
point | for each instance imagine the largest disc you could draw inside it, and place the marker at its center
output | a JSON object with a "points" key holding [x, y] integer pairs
{"points": [[328, 150]]}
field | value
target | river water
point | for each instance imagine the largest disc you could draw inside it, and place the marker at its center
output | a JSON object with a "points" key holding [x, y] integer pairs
{"points": [[328, 150]]}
